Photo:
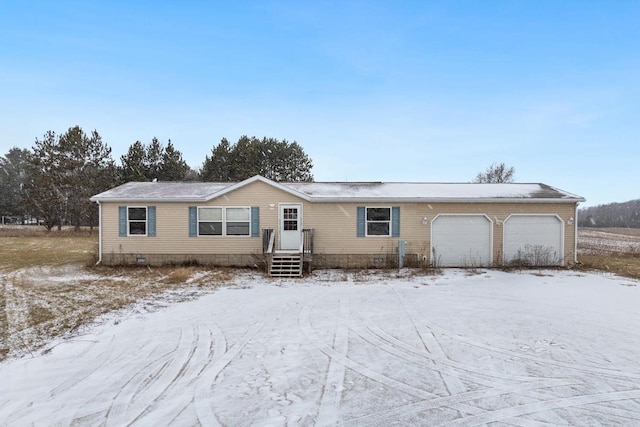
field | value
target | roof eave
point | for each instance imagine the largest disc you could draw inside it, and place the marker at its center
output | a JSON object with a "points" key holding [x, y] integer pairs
{"points": [[150, 200], [353, 200], [443, 200]]}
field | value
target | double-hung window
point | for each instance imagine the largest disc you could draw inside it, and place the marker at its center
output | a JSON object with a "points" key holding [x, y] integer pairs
{"points": [[210, 221], [137, 221], [238, 221], [378, 221], [219, 221]]}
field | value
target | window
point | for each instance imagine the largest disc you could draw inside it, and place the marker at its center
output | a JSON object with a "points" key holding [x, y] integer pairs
{"points": [[210, 221], [378, 221], [238, 221], [220, 221], [290, 219], [137, 221]]}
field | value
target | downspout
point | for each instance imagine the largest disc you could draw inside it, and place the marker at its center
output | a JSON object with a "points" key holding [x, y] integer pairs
{"points": [[99, 233], [575, 236]]}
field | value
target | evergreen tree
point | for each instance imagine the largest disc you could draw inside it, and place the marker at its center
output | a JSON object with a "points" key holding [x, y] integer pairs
{"points": [[173, 167], [153, 161], [269, 157], [86, 169], [44, 194], [133, 166], [13, 178], [63, 172], [217, 167]]}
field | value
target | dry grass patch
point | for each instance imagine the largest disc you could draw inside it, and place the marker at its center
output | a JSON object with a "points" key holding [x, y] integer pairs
{"points": [[50, 288], [23, 248], [47, 302], [627, 265], [616, 250]]}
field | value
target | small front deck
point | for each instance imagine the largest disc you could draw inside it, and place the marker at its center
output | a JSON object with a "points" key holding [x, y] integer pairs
{"points": [[287, 263]]}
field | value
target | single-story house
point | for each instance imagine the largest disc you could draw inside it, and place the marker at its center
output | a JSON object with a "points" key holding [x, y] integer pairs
{"points": [[337, 224]]}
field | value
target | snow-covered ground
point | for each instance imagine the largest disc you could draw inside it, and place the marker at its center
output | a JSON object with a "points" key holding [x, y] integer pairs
{"points": [[458, 349]]}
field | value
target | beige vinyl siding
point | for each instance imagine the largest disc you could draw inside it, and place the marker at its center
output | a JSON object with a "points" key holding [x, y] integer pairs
{"points": [[334, 224]]}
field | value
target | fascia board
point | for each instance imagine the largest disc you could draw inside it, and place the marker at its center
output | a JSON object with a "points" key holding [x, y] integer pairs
{"points": [[154, 200], [438, 200]]}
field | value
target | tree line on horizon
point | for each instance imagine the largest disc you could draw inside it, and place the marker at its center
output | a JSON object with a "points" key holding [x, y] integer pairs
{"points": [[52, 182], [612, 215]]}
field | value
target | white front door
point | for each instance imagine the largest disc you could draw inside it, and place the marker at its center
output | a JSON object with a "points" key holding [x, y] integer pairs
{"points": [[290, 227]]}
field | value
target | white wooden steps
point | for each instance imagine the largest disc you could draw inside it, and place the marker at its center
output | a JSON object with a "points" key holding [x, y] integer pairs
{"points": [[286, 265]]}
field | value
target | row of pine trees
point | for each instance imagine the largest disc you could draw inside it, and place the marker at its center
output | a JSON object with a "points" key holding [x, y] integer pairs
{"points": [[53, 181]]}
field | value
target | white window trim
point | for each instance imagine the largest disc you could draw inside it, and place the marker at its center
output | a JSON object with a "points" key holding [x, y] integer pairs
{"points": [[198, 221], [366, 221], [224, 231], [224, 222], [146, 221]]}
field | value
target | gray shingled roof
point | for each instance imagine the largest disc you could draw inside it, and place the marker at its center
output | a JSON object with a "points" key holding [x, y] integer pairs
{"points": [[341, 191]]}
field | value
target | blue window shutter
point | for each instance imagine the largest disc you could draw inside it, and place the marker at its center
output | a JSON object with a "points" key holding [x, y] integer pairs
{"points": [[255, 221], [193, 221], [122, 221], [151, 221], [395, 221], [361, 221]]}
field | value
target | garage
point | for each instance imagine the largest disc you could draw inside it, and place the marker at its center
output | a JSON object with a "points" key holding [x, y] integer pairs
{"points": [[533, 240], [461, 241]]}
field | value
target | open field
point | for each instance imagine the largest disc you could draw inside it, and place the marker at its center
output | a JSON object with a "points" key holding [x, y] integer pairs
{"points": [[615, 250], [32, 246]]}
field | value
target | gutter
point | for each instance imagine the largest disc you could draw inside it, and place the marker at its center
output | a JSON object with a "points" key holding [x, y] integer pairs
{"points": [[361, 200], [575, 238]]}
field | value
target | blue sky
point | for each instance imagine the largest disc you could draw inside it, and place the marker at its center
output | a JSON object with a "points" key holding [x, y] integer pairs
{"points": [[384, 91]]}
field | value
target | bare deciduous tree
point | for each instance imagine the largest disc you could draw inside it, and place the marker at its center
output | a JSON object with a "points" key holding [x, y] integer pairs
{"points": [[496, 173]]}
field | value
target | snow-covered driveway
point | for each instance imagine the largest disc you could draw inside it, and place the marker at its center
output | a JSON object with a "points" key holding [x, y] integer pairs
{"points": [[558, 348]]}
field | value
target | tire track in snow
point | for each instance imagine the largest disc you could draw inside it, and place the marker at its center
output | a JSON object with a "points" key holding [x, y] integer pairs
{"points": [[432, 362], [211, 347], [197, 355], [65, 391], [141, 380], [473, 373], [557, 363], [449, 402], [534, 395], [207, 377], [431, 344], [211, 344], [618, 412], [103, 359], [454, 402], [334, 382], [305, 324], [548, 405], [71, 410]]}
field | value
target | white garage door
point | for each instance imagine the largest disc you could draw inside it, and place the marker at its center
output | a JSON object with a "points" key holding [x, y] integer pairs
{"points": [[533, 240], [461, 241]]}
